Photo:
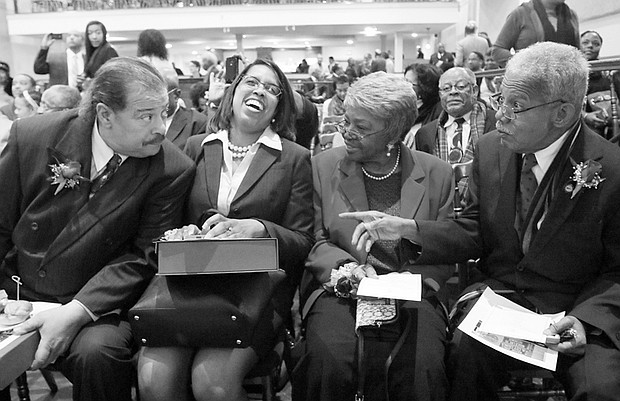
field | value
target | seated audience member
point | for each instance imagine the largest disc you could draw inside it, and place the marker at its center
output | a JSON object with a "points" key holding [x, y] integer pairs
{"points": [[442, 59], [303, 67], [194, 69], [375, 172], [6, 93], [198, 96], [260, 183], [464, 119], [476, 63], [597, 113], [21, 83], [556, 250], [333, 112], [98, 51], [353, 70], [59, 98], [27, 104], [64, 67], [536, 21], [97, 256], [425, 81], [181, 123]]}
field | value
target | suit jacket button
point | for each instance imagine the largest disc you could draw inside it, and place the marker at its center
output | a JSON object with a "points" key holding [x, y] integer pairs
{"points": [[520, 268], [42, 273], [34, 226], [236, 210]]}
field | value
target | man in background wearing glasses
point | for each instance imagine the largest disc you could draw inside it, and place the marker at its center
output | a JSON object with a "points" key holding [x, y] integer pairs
{"points": [[464, 119], [545, 222]]}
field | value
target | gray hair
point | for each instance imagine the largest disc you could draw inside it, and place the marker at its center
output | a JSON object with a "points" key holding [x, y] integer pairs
{"points": [[114, 80], [552, 70], [388, 98], [64, 96]]}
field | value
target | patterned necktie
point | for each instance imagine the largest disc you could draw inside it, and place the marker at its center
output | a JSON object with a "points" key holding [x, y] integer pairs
{"points": [[104, 177], [528, 184], [458, 134], [456, 150]]}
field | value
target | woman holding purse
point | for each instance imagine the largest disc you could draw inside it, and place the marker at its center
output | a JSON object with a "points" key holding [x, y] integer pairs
{"points": [[373, 177], [252, 181]]}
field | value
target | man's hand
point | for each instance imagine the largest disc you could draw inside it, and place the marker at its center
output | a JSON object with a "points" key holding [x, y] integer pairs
{"points": [[218, 226], [47, 41], [376, 226], [576, 345], [58, 328]]}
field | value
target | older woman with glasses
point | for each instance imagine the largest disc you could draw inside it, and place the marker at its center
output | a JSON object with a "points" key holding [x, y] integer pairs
{"points": [[374, 175], [252, 181]]}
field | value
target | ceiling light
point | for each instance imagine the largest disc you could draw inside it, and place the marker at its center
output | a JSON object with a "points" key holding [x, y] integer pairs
{"points": [[194, 52], [370, 31], [414, 35], [168, 46], [350, 42]]}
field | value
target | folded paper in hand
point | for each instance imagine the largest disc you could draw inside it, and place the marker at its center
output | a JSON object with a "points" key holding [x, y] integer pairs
{"points": [[511, 329], [403, 286]]}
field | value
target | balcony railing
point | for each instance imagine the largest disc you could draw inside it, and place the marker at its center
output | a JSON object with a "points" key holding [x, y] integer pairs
{"points": [[46, 6]]}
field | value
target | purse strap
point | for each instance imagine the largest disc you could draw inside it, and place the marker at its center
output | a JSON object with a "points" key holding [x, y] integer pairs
{"points": [[361, 366]]}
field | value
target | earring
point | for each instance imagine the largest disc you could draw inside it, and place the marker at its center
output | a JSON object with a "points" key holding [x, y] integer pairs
{"points": [[273, 120], [390, 146]]}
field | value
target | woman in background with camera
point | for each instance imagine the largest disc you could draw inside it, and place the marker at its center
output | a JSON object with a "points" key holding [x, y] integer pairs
{"points": [[252, 181]]}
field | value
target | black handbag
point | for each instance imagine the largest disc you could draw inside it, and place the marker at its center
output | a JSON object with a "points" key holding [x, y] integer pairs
{"points": [[220, 310]]}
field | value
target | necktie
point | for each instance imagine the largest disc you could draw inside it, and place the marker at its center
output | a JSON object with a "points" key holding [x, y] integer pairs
{"points": [[528, 184], [104, 177], [456, 151]]}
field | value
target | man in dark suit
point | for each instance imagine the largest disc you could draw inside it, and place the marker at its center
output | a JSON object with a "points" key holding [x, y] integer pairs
{"points": [[83, 197], [181, 123], [63, 67], [562, 253], [442, 58]]}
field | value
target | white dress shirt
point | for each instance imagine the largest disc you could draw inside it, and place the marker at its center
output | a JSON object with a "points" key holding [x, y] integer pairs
{"points": [[75, 66], [450, 127], [232, 173]]}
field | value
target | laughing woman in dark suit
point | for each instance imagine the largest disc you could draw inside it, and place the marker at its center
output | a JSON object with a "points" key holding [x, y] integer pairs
{"points": [[259, 182]]}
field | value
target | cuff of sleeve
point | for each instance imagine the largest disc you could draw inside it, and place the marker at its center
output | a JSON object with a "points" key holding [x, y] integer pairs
{"points": [[409, 251], [91, 314]]}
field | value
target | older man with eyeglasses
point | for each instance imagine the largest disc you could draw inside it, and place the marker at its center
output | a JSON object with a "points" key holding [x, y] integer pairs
{"points": [[464, 119], [544, 221]]}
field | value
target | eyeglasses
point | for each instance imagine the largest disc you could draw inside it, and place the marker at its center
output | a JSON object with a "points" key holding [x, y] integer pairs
{"points": [[459, 87], [253, 82], [344, 127], [497, 104]]}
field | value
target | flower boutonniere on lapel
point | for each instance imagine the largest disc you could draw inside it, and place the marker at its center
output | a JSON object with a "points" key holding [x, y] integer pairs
{"points": [[65, 172], [585, 175]]}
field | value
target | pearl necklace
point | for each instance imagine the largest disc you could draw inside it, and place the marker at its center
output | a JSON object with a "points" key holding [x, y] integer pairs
{"points": [[239, 152], [388, 175]]}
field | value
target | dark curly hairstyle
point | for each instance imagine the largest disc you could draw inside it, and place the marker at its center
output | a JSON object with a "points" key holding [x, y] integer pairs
{"points": [[428, 81], [284, 117], [152, 42]]}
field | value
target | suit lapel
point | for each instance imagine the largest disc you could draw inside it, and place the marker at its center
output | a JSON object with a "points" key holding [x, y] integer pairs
{"points": [[352, 185], [562, 205], [412, 192], [213, 154], [506, 163], [179, 121], [111, 196], [263, 159]]}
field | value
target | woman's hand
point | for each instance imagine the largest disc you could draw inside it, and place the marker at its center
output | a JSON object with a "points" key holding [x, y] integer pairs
{"points": [[218, 226], [376, 226], [217, 86]]}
